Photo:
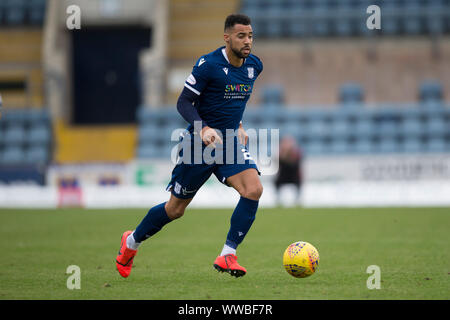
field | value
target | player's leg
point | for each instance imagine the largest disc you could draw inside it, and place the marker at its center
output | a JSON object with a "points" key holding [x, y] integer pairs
{"points": [[185, 182], [156, 218], [248, 185]]}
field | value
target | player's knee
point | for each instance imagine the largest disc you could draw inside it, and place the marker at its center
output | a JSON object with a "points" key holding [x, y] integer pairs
{"points": [[175, 212], [253, 192]]}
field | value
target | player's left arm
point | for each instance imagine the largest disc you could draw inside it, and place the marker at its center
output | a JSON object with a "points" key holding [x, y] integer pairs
{"points": [[242, 135]]}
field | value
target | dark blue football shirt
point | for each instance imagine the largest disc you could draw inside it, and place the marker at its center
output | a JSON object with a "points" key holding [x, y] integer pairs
{"points": [[223, 89]]}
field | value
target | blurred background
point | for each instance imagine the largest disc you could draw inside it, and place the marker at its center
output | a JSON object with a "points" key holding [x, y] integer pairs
{"points": [[87, 113]]}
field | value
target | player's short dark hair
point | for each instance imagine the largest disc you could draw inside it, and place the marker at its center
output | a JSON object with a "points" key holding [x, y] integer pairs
{"points": [[238, 18]]}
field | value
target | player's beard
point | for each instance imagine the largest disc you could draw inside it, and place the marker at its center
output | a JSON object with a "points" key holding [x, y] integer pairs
{"points": [[238, 52]]}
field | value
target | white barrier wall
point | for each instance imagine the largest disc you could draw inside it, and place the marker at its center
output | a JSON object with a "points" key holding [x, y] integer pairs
{"points": [[394, 180]]}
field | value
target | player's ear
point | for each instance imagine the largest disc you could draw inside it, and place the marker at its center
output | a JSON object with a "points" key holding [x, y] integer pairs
{"points": [[226, 37]]}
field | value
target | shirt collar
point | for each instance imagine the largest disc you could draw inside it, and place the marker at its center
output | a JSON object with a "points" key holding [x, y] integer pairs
{"points": [[226, 57]]}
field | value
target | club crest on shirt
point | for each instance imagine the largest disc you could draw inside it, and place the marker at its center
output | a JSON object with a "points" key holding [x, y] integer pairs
{"points": [[251, 72]]}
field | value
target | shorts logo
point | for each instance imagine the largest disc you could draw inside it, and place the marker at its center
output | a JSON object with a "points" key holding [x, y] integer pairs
{"points": [[251, 72], [177, 188], [186, 192]]}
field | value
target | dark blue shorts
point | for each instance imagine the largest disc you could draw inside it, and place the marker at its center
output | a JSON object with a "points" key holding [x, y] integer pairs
{"points": [[196, 164]]}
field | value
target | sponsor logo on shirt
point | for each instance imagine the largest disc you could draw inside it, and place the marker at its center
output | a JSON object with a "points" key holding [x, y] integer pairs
{"points": [[237, 91]]}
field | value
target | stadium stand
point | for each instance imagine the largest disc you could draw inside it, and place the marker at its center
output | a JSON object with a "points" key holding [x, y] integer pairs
{"points": [[330, 18], [25, 137], [26, 134], [350, 126], [322, 130], [22, 12]]}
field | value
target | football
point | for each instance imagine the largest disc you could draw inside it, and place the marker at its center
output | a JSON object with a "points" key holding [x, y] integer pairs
{"points": [[301, 259]]}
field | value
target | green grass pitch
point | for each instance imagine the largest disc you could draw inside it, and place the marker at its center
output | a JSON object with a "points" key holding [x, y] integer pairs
{"points": [[410, 245]]}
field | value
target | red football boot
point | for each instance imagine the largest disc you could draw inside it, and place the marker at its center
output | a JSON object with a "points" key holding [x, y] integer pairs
{"points": [[228, 263], [124, 260]]}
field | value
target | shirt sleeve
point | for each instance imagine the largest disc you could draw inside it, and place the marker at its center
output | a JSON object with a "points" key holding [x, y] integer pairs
{"points": [[187, 110], [199, 77], [261, 67]]}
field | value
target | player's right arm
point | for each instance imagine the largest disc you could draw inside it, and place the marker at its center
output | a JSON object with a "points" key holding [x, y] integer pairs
{"points": [[186, 108], [195, 83]]}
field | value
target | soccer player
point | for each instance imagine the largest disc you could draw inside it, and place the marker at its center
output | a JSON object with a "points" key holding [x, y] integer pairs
{"points": [[212, 101]]}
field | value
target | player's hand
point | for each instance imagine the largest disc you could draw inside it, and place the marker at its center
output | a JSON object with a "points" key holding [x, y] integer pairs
{"points": [[210, 136], [242, 136]]}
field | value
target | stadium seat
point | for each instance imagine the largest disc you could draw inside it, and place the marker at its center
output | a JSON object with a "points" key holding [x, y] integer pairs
{"points": [[291, 129], [339, 146], [144, 114], [15, 12], [269, 123], [340, 128], [436, 144], [37, 116], [343, 23], [37, 154], [253, 118], [432, 105], [390, 21], [36, 11], [14, 135], [412, 17], [317, 129], [2, 12], [436, 126], [12, 155], [14, 117], [435, 16], [387, 129], [146, 150], [297, 27], [148, 133], [430, 90], [314, 147], [387, 146], [363, 146], [364, 128], [320, 23], [171, 133], [411, 144], [351, 92], [275, 15], [272, 94], [38, 134], [411, 127]]}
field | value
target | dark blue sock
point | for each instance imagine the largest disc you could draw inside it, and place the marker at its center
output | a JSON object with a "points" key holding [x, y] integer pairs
{"points": [[241, 221], [155, 219]]}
